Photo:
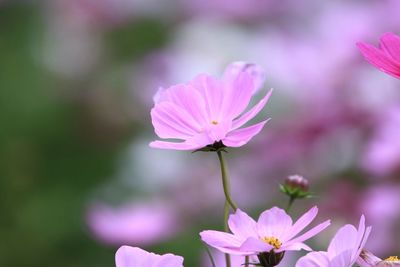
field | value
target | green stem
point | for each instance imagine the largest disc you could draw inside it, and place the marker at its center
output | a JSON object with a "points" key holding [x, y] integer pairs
{"points": [[210, 255], [291, 200], [226, 229], [225, 181], [228, 199]]}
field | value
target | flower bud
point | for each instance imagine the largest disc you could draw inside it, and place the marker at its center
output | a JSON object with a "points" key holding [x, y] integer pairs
{"points": [[296, 186], [297, 181]]}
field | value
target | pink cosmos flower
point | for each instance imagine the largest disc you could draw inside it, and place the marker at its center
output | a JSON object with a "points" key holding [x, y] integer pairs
{"points": [[367, 259], [206, 110], [387, 56], [135, 257], [343, 250], [274, 230]]}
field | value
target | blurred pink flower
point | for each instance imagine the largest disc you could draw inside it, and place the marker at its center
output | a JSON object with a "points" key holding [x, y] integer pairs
{"points": [[132, 224], [135, 257], [206, 110], [382, 156], [380, 204], [343, 250], [274, 230], [367, 259], [386, 57]]}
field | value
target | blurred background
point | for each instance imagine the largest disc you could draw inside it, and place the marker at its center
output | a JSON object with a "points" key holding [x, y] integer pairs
{"points": [[77, 178]]}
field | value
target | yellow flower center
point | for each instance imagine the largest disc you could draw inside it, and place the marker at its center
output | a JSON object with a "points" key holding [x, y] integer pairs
{"points": [[214, 122], [273, 241], [392, 258]]}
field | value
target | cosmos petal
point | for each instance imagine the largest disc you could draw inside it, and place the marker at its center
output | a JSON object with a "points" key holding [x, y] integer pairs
{"points": [[302, 223], [242, 136], [274, 223], [242, 224], [252, 112], [390, 43], [314, 259], [379, 59], [310, 233]]}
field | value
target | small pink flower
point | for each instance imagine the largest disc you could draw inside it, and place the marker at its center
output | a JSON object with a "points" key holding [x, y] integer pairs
{"points": [[387, 56], [367, 259], [207, 110], [274, 230], [343, 250], [135, 257]]}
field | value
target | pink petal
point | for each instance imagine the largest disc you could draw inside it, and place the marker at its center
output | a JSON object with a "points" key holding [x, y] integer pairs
{"points": [[255, 71], [344, 239], [237, 94], [174, 146], [252, 112], [211, 91], [362, 236], [379, 59], [242, 225], [169, 260], [220, 239], [302, 223], [254, 246], [310, 233], [343, 259], [274, 223], [314, 259], [295, 247], [188, 98], [194, 142], [390, 43], [241, 136], [132, 257], [171, 121], [367, 259]]}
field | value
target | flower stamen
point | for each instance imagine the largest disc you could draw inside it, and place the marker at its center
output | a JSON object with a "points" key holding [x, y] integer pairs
{"points": [[273, 241], [392, 258], [214, 122]]}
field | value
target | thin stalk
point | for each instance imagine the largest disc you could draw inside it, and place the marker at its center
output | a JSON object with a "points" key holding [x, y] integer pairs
{"points": [[210, 256], [228, 199], [226, 229], [225, 181], [290, 203]]}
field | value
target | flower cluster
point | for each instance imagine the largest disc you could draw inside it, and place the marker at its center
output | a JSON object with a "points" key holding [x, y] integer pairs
{"points": [[208, 114]]}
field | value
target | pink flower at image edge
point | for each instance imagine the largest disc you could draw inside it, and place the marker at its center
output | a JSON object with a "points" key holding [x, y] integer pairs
{"points": [[386, 57], [127, 256], [206, 110], [343, 250]]}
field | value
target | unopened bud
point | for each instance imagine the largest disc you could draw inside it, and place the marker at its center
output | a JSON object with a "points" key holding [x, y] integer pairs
{"points": [[296, 186], [297, 181]]}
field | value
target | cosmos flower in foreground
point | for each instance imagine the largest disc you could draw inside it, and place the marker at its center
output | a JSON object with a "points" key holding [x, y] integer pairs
{"points": [[343, 250], [135, 257], [207, 110], [387, 56], [273, 232], [367, 259]]}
